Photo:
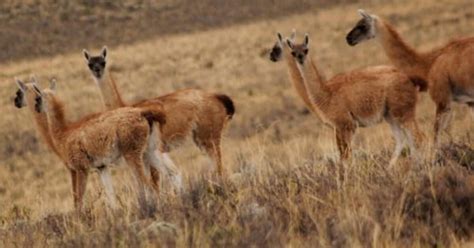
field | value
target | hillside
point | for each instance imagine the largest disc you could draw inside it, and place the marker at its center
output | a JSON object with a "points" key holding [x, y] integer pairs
{"points": [[282, 190]]}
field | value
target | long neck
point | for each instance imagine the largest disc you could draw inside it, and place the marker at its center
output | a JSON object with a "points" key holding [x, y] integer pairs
{"points": [[296, 77], [110, 94], [400, 53], [316, 88], [43, 128], [56, 119]]}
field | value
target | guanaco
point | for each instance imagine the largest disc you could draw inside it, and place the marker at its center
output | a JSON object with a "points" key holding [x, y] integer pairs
{"points": [[281, 51], [25, 97], [362, 98], [447, 71], [188, 112], [97, 141]]}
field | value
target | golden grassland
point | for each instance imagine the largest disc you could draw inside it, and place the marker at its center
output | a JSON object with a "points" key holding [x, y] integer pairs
{"points": [[281, 190]]}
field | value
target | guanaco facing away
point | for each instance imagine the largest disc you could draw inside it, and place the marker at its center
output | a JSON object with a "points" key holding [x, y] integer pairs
{"points": [[188, 112], [362, 98], [449, 70], [97, 141]]}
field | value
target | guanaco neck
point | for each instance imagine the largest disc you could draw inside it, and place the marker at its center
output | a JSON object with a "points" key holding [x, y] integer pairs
{"points": [[402, 55], [43, 128], [56, 120], [316, 88], [108, 89], [296, 77]]}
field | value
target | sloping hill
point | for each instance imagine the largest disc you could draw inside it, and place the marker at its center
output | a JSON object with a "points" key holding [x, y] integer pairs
{"points": [[32, 28]]}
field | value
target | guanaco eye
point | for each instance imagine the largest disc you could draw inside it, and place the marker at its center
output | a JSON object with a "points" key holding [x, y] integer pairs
{"points": [[102, 64], [293, 53], [90, 65], [305, 51]]}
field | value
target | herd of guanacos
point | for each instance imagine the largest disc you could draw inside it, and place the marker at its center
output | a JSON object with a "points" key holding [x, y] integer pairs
{"points": [[144, 132]]}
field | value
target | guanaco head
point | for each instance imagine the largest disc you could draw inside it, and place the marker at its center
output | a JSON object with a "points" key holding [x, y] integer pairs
{"points": [[299, 51], [25, 95], [44, 96], [276, 53], [96, 64], [364, 29]]}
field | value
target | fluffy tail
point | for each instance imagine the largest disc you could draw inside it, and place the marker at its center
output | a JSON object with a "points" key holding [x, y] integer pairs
{"points": [[154, 113], [420, 83], [228, 104]]}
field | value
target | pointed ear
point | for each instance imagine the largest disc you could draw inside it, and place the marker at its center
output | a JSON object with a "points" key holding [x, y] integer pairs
{"points": [[293, 34], [289, 43], [52, 84], [33, 79], [306, 39], [37, 90], [280, 38], [364, 14], [86, 54], [20, 85], [103, 52]]}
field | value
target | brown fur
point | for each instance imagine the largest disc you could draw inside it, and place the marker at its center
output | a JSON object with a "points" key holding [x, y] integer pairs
{"points": [[100, 139], [448, 69], [189, 111], [294, 74], [361, 98], [28, 98]]}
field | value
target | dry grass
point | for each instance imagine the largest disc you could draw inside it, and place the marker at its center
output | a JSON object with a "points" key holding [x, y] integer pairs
{"points": [[282, 190]]}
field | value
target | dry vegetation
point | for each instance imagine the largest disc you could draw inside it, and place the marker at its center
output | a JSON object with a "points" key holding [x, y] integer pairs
{"points": [[281, 188]]}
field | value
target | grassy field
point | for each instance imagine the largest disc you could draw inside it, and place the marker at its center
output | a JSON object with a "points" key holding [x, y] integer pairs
{"points": [[281, 190]]}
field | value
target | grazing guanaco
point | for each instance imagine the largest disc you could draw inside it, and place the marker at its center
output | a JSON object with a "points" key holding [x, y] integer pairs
{"points": [[362, 98], [188, 112], [97, 141], [447, 71]]}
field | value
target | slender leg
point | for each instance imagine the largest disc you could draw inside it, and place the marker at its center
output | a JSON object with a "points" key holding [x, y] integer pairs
{"points": [[208, 138], [144, 183], [344, 134], [81, 185], [443, 118], [414, 138], [74, 189], [170, 169], [108, 186], [399, 142], [213, 150], [153, 144]]}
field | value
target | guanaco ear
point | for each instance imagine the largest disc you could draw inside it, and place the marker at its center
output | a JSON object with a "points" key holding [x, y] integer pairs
{"points": [[293, 34], [306, 40], [52, 84], [289, 43], [103, 52], [280, 38], [33, 79], [86, 54], [37, 90], [364, 14], [20, 84]]}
